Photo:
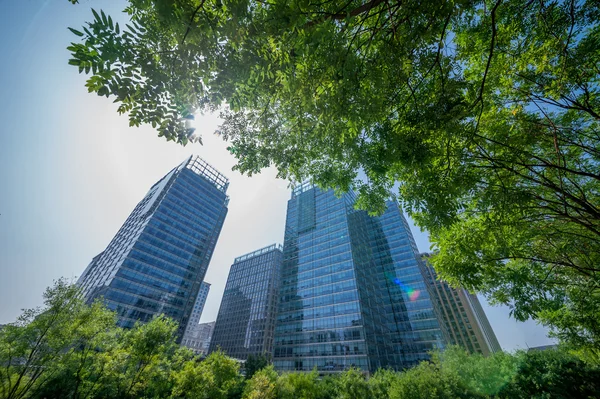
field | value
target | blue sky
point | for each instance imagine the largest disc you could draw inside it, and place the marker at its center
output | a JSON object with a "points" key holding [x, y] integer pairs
{"points": [[71, 170]]}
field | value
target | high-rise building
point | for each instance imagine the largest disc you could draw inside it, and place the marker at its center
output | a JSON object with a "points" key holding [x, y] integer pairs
{"points": [[246, 317], [191, 331], [157, 261], [352, 292], [194, 319], [463, 319], [198, 338]]}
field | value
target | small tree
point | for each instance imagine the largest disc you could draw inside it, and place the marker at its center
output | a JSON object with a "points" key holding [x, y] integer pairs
{"points": [[381, 382], [262, 385], [352, 385], [477, 374], [216, 377], [44, 342], [299, 386], [553, 374]]}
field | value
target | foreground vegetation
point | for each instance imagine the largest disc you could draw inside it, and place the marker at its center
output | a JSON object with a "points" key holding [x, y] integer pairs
{"points": [[69, 349]]}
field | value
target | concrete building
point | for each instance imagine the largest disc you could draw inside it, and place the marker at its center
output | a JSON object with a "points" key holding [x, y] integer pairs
{"points": [[194, 319], [246, 317], [463, 319], [191, 331], [158, 259], [198, 338]]}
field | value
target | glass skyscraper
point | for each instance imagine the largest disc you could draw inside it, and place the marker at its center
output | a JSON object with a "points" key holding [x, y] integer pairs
{"points": [[157, 261], [352, 293], [462, 316], [246, 317]]}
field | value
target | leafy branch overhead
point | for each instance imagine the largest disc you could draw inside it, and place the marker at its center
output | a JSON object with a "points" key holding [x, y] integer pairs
{"points": [[486, 113]]}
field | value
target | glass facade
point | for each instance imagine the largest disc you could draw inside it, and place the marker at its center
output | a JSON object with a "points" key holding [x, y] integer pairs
{"points": [[157, 261], [463, 319], [246, 317], [352, 294]]}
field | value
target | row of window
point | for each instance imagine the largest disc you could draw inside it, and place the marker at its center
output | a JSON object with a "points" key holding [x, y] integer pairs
{"points": [[161, 263], [294, 283], [346, 334], [318, 269], [124, 299], [294, 303], [206, 210], [137, 291], [150, 269], [325, 311], [192, 238], [158, 247], [307, 293], [327, 364], [327, 323], [337, 349], [148, 281]]}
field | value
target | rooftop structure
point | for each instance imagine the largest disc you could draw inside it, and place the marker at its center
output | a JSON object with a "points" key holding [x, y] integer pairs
{"points": [[259, 252]]}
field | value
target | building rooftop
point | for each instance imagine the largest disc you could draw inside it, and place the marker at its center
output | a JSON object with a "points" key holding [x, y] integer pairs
{"points": [[202, 168], [258, 252], [299, 188]]}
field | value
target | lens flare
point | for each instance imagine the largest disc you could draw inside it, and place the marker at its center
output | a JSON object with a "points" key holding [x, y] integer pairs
{"points": [[413, 294]]}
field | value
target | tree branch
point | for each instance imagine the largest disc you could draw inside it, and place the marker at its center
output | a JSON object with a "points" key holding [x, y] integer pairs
{"points": [[192, 20], [489, 60], [339, 15]]}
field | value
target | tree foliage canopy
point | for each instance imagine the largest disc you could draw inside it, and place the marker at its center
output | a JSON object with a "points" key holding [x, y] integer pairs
{"points": [[486, 112]]}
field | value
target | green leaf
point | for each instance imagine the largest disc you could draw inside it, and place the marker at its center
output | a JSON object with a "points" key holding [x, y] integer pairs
{"points": [[76, 32], [96, 16]]}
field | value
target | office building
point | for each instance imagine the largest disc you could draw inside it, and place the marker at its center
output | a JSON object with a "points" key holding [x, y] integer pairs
{"points": [[198, 338], [463, 319], [157, 261], [194, 319], [246, 317], [191, 331], [352, 292], [482, 322]]}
